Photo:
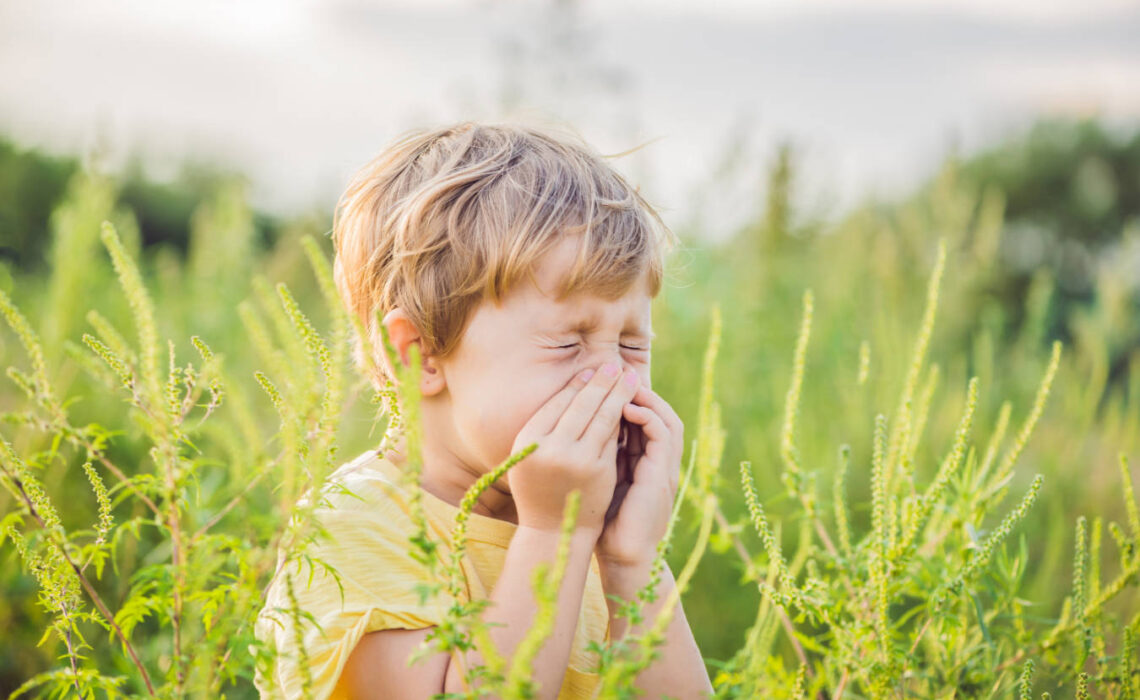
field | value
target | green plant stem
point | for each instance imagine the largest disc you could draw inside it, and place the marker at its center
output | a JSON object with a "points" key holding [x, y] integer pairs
{"points": [[722, 522], [98, 601]]}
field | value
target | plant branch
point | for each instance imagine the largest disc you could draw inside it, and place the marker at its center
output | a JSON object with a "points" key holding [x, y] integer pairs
{"points": [[787, 623], [95, 598]]}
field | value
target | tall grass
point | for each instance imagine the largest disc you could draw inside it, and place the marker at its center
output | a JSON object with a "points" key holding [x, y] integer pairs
{"points": [[884, 560]]}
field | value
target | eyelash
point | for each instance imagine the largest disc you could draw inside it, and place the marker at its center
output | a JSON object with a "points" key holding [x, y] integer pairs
{"points": [[627, 347]]}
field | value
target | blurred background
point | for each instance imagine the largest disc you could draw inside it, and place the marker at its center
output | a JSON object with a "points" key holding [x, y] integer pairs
{"points": [[296, 94], [792, 145]]}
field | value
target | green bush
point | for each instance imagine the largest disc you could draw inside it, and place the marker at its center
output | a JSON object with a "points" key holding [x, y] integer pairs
{"points": [[907, 577]]}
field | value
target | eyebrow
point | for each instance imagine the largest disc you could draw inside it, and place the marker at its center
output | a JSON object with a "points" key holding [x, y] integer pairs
{"points": [[587, 325]]}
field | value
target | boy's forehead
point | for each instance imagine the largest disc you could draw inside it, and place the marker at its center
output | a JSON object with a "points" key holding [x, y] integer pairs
{"points": [[550, 284], [584, 311]]}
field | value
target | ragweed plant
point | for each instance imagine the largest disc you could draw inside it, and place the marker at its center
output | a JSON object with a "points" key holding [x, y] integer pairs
{"points": [[157, 594], [183, 619], [924, 602]]}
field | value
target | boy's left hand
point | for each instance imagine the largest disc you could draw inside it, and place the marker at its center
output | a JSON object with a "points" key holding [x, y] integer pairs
{"points": [[649, 469]]}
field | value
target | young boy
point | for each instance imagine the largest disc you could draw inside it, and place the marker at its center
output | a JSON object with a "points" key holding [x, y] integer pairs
{"points": [[523, 267]]}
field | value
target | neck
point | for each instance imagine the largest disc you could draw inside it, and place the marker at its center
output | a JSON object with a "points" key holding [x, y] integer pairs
{"points": [[448, 477]]}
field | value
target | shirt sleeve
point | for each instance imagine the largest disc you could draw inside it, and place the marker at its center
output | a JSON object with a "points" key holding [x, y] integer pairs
{"points": [[367, 545]]}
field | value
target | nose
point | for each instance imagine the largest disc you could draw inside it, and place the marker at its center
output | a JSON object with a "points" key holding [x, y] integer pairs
{"points": [[601, 356]]}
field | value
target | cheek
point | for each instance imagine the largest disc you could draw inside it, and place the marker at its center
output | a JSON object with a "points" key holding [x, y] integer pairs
{"points": [[537, 393], [506, 404], [507, 412]]}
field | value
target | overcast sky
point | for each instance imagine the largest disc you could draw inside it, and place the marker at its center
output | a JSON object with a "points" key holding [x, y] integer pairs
{"points": [[300, 93]]}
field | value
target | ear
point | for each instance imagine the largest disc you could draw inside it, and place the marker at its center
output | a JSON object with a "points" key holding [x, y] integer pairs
{"points": [[402, 332]]}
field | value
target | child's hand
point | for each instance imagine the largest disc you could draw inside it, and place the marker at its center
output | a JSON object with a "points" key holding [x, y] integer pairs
{"points": [[649, 469], [576, 431]]}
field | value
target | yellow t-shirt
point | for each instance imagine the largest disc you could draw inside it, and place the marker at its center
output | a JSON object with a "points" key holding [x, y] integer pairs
{"points": [[368, 546]]}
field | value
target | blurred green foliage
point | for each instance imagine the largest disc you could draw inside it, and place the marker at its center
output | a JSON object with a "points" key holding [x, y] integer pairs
{"points": [[1071, 193], [868, 274], [31, 184], [34, 183]]}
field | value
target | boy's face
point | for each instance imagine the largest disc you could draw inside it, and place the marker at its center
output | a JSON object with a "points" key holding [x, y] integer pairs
{"points": [[513, 358]]}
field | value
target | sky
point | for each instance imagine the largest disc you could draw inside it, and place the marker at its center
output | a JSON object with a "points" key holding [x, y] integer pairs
{"points": [[299, 93]]}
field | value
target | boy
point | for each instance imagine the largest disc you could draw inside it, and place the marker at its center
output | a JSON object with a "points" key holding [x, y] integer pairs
{"points": [[523, 267]]}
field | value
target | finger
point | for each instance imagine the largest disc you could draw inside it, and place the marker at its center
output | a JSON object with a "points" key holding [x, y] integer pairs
{"points": [[647, 397], [657, 446], [546, 417], [636, 447], [610, 448], [583, 405], [672, 459], [609, 413]]}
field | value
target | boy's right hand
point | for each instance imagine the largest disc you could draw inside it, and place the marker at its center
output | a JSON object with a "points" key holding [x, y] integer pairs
{"points": [[577, 432]]}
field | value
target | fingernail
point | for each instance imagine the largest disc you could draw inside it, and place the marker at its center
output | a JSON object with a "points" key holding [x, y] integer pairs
{"points": [[631, 378], [611, 369], [585, 376]]}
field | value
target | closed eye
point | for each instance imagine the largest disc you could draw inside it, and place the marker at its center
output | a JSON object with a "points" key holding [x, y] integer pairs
{"points": [[627, 347]]}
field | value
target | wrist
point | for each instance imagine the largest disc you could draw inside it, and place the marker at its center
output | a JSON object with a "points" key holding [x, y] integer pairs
{"points": [[624, 568], [625, 581], [579, 536], [623, 578]]}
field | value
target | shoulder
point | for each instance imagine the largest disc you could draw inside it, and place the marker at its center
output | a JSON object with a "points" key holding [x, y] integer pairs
{"points": [[362, 486], [359, 524], [358, 575]]}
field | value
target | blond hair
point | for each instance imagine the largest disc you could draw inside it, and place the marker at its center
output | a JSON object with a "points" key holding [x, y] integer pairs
{"points": [[446, 218]]}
